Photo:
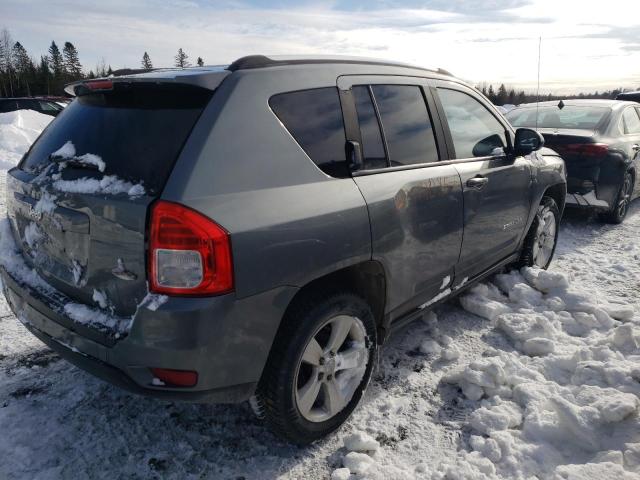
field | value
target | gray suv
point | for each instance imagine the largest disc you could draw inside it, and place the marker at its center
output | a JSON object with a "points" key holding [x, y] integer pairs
{"points": [[257, 231]]}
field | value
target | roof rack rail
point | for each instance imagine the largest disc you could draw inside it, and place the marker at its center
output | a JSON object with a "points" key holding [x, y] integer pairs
{"points": [[262, 61]]}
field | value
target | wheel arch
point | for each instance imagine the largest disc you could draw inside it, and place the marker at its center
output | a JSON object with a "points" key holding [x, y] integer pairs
{"points": [[558, 192], [366, 279]]}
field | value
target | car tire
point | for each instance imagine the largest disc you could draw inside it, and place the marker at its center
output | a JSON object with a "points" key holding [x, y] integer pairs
{"points": [[620, 209], [542, 237], [298, 369]]}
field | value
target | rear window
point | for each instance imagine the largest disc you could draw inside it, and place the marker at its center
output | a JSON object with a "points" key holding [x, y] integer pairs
{"points": [[314, 119], [570, 116], [138, 131]]}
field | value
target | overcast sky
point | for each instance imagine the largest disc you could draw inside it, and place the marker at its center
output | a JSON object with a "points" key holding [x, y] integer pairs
{"points": [[586, 45]]}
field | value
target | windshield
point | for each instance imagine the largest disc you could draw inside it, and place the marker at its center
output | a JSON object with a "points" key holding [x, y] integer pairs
{"points": [[570, 117], [137, 131]]}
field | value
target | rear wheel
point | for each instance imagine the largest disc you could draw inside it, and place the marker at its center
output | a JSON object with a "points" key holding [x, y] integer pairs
{"points": [[540, 243], [620, 209], [319, 366]]}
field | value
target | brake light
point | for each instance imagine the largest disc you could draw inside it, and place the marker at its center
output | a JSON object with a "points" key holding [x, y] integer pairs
{"points": [[175, 378], [590, 150], [99, 85], [189, 254]]}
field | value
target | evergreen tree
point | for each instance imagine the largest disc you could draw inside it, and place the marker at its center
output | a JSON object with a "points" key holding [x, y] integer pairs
{"points": [[44, 75], [491, 94], [502, 95], [512, 97], [23, 67], [182, 59], [109, 71], [146, 61], [72, 61], [200, 62], [55, 60]]}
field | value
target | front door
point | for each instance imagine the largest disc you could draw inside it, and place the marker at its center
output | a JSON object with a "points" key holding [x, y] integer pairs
{"points": [[496, 186], [415, 204]]}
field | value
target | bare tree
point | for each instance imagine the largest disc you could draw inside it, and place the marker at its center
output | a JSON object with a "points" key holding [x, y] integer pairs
{"points": [[6, 59]]}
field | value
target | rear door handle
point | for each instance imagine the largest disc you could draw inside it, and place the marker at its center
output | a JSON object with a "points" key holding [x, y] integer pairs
{"points": [[477, 183]]}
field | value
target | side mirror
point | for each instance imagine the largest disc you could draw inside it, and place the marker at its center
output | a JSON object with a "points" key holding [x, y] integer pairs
{"points": [[527, 141]]}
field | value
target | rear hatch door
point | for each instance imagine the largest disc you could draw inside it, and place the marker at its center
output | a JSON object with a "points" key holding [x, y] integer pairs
{"points": [[78, 200]]}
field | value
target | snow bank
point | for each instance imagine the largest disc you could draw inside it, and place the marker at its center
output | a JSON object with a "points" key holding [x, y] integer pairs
{"points": [[18, 130], [564, 402]]}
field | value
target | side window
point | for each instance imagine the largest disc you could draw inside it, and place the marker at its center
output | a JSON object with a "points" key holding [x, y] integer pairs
{"points": [[406, 124], [314, 119], [631, 120], [25, 104], [474, 130], [47, 106], [373, 152]]}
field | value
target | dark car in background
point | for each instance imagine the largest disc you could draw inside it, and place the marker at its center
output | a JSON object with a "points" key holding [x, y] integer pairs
{"points": [[41, 105], [599, 141], [629, 96]]}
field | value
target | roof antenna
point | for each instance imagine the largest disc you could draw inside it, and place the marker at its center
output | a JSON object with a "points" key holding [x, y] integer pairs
{"points": [[538, 92]]}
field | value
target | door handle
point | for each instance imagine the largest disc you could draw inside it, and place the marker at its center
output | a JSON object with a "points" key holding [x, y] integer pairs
{"points": [[477, 183]]}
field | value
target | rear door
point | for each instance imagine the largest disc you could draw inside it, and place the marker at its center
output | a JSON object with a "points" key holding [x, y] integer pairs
{"points": [[496, 186], [78, 200], [414, 203]]}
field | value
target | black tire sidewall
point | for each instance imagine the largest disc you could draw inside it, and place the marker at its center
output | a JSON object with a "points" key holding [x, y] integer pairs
{"points": [[526, 257], [614, 216], [281, 406]]}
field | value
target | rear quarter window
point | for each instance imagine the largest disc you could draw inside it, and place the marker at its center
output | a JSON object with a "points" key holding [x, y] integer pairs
{"points": [[314, 119]]}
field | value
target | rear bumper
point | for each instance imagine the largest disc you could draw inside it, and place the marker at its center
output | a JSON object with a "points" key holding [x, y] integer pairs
{"points": [[226, 340], [589, 200]]}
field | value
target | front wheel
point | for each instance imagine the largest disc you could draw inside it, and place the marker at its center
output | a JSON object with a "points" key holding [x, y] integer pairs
{"points": [[319, 366], [540, 242]]}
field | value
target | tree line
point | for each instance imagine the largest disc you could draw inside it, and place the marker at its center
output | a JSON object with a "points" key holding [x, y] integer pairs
{"points": [[23, 75], [504, 95]]}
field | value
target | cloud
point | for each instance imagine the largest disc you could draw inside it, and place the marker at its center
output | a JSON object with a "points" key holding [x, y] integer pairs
{"points": [[495, 40]]}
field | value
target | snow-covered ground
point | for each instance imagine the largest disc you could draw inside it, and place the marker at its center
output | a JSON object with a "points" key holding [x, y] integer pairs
{"points": [[529, 375]]}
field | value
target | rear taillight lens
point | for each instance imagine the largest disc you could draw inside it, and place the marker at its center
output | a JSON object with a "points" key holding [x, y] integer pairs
{"points": [[590, 150], [175, 378], [189, 254]]}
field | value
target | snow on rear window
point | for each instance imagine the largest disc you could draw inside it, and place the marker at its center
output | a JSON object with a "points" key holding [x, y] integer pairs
{"points": [[133, 135]]}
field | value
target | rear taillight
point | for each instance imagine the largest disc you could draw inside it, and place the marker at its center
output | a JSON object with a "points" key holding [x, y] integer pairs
{"points": [[590, 150], [189, 254], [175, 378]]}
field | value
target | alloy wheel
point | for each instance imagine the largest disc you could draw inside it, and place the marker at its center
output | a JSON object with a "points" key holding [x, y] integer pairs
{"points": [[332, 367], [545, 240], [625, 196]]}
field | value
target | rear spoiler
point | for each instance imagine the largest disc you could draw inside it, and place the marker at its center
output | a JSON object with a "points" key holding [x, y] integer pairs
{"points": [[204, 77]]}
